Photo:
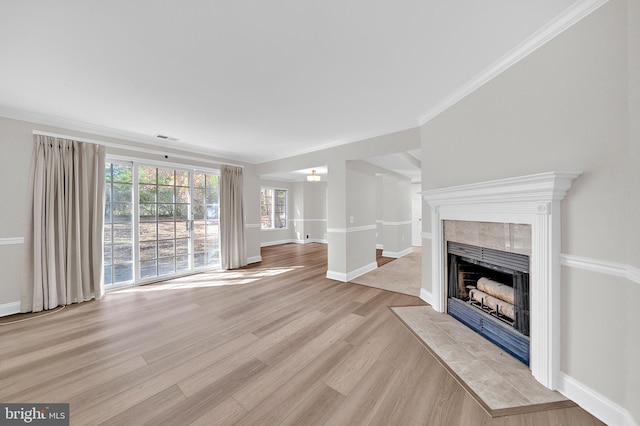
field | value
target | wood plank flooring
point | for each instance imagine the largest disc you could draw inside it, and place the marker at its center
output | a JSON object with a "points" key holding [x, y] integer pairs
{"points": [[277, 344]]}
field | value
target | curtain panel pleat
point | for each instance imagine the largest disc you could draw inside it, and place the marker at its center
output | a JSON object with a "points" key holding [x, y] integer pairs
{"points": [[64, 259], [233, 253]]}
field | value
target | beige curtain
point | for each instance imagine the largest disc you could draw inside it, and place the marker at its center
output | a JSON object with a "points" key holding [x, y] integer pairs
{"points": [[64, 259], [232, 241]]}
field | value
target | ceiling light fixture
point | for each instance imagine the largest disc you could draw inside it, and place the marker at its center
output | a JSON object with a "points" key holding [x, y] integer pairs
{"points": [[313, 177]]}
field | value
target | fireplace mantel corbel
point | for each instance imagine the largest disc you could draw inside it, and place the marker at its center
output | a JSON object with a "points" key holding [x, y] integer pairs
{"points": [[534, 200]]}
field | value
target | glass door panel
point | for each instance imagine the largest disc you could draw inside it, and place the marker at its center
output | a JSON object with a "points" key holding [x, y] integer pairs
{"points": [[176, 226], [118, 225], [206, 221], [162, 221]]}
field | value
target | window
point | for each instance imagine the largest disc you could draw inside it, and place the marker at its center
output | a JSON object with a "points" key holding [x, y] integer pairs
{"points": [[159, 222], [118, 223], [273, 208]]}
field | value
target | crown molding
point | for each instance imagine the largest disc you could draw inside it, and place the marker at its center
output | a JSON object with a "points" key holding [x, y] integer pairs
{"points": [[94, 129], [568, 18]]}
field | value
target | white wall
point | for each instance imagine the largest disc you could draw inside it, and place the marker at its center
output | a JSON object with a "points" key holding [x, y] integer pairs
{"points": [[566, 107]]}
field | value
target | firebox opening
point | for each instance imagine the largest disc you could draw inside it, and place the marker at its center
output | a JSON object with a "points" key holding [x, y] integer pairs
{"points": [[488, 290]]}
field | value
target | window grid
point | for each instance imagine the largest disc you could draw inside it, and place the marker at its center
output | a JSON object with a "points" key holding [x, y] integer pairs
{"points": [[172, 208], [273, 208]]}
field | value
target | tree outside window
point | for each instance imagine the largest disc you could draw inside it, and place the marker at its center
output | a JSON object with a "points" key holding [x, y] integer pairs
{"points": [[273, 208]]}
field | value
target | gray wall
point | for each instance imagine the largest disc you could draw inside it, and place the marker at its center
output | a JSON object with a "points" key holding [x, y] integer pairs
{"points": [[16, 140], [572, 105], [285, 235], [396, 215], [17, 147]]}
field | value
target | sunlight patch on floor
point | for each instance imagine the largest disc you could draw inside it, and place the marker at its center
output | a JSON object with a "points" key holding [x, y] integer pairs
{"points": [[211, 279]]}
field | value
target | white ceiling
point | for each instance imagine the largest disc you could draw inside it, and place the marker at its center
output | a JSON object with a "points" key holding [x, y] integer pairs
{"points": [[253, 80]]}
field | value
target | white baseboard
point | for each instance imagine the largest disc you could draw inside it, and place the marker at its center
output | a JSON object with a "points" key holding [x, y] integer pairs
{"points": [[9, 309], [346, 277], [310, 240], [278, 242], [599, 406], [426, 296], [397, 254], [254, 259]]}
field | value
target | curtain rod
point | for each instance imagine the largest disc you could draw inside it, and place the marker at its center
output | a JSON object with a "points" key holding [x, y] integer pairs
{"points": [[131, 148]]}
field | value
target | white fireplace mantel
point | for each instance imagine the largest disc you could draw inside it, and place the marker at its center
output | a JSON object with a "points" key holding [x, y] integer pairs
{"points": [[533, 200]]}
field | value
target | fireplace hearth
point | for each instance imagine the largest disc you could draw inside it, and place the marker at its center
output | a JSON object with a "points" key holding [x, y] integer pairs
{"points": [[533, 200], [488, 291]]}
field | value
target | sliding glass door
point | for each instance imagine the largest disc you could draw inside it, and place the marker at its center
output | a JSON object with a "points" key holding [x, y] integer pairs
{"points": [[174, 219], [206, 222]]}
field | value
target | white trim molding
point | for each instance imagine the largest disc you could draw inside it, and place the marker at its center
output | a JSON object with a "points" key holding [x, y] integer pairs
{"points": [[153, 141], [427, 296], [403, 222], [254, 259], [346, 277], [353, 229], [606, 267], [277, 242], [156, 146], [9, 309], [601, 407], [11, 241], [312, 240], [308, 220], [533, 200], [569, 17], [397, 254]]}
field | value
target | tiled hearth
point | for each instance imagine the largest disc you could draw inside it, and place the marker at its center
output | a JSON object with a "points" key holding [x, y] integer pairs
{"points": [[500, 383]]}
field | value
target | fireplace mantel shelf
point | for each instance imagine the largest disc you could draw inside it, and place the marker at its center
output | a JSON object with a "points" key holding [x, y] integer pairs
{"points": [[547, 186], [533, 200]]}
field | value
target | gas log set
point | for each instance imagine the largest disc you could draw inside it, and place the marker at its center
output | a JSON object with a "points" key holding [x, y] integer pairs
{"points": [[488, 290], [495, 297]]}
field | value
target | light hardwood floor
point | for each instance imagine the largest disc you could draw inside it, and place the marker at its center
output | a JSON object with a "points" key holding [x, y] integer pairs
{"points": [[279, 344]]}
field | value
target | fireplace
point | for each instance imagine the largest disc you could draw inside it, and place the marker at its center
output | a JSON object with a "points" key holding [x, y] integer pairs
{"points": [[533, 200], [488, 291]]}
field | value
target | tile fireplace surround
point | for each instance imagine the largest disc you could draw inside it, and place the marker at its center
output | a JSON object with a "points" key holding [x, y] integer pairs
{"points": [[528, 200]]}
